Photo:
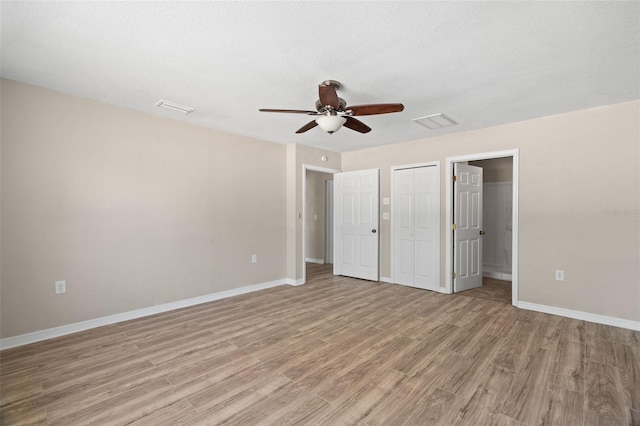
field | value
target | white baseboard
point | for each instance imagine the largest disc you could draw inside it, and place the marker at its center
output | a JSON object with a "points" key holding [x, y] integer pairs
{"points": [[291, 281], [314, 260], [579, 315], [37, 336], [497, 275], [386, 280]]}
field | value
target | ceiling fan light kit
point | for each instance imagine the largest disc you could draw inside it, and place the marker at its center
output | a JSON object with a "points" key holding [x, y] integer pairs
{"points": [[334, 113], [330, 123]]}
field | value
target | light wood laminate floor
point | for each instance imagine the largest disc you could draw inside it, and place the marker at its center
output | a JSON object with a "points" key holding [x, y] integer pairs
{"points": [[492, 289], [334, 351]]}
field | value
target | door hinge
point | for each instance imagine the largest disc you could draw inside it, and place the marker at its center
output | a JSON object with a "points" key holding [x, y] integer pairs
{"points": [[453, 275], [453, 227], [453, 178]]}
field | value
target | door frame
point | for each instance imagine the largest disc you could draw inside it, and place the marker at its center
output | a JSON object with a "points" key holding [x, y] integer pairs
{"points": [[435, 164], [306, 167], [328, 220], [515, 154]]}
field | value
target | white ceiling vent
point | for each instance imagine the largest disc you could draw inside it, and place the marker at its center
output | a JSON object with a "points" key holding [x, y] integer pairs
{"points": [[173, 106], [435, 121]]}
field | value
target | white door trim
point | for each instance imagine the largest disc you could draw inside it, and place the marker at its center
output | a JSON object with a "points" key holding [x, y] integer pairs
{"points": [[306, 167], [328, 199], [435, 164], [514, 153]]}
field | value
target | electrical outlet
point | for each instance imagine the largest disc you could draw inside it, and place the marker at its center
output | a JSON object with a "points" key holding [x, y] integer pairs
{"points": [[254, 258], [559, 275], [61, 287]]}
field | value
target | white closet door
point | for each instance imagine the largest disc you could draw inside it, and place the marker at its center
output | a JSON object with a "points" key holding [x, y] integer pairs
{"points": [[403, 226], [416, 222]]}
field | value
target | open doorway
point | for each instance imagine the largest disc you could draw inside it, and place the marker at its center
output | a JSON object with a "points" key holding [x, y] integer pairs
{"points": [[501, 261], [497, 208], [317, 218]]}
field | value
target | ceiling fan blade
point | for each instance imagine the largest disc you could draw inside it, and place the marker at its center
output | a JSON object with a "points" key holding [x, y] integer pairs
{"points": [[373, 109], [293, 111], [310, 125], [356, 125], [328, 96]]}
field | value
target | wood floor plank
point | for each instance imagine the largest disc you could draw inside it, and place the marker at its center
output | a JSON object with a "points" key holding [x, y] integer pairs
{"points": [[272, 406], [527, 396], [565, 407], [548, 333], [173, 414], [436, 408], [232, 402], [110, 405], [503, 321], [601, 351], [425, 350], [28, 413], [342, 387], [629, 368], [334, 351], [605, 401], [303, 412], [487, 398], [574, 330], [14, 392], [513, 351], [465, 374], [396, 410], [467, 337], [568, 369], [385, 411], [86, 390], [625, 336], [595, 331], [364, 399]]}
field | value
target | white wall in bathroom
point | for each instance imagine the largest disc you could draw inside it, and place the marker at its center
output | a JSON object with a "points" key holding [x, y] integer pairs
{"points": [[497, 225]]}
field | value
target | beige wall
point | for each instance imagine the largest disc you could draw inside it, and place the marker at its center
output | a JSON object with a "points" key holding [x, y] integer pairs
{"points": [[130, 209], [575, 170], [495, 169]]}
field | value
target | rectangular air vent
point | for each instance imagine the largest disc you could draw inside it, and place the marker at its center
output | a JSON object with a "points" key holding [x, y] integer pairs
{"points": [[173, 106], [435, 121]]}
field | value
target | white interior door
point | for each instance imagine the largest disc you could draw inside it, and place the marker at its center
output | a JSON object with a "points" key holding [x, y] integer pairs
{"points": [[467, 234], [415, 221], [356, 236]]}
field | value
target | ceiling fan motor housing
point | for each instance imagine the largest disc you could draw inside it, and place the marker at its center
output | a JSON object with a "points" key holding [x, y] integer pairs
{"points": [[325, 108]]}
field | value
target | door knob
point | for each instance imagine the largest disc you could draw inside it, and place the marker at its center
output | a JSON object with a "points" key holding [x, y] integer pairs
{"points": [[482, 232], [374, 231]]}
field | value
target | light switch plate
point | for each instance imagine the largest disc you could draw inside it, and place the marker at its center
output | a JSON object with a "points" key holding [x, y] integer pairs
{"points": [[385, 201], [385, 216]]}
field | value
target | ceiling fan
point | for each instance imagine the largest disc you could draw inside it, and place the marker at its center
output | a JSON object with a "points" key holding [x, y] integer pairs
{"points": [[333, 111]]}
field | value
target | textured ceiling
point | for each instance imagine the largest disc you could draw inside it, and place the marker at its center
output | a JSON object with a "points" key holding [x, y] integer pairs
{"points": [[480, 63]]}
